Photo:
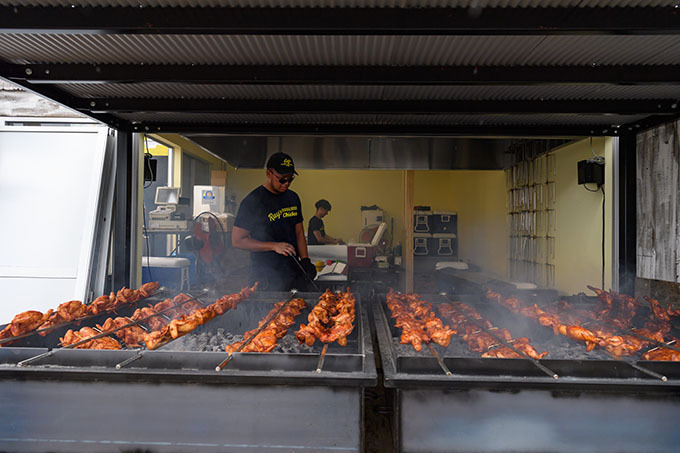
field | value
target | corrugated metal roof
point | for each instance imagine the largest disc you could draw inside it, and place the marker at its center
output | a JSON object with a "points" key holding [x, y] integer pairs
{"points": [[347, 3], [352, 92], [339, 50], [605, 50], [514, 50], [532, 92], [177, 90], [441, 120]]}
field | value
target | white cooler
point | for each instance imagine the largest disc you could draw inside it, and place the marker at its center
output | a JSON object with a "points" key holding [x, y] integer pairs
{"points": [[168, 271]]}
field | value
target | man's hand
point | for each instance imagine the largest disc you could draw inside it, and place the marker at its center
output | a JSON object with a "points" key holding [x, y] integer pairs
{"points": [[283, 248], [309, 268]]}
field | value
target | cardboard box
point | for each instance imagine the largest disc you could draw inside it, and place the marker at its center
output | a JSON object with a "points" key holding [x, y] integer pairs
{"points": [[218, 178]]}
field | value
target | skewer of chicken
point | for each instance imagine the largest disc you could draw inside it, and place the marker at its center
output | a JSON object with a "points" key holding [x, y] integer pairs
{"points": [[265, 340], [331, 319], [188, 322], [32, 321], [482, 341], [418, 322]]}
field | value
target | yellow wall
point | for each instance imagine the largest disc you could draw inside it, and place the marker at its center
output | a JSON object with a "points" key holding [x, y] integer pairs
{"points": [[346, 190], [579, 220], [182, 145], [479, 199], [477, 196]]}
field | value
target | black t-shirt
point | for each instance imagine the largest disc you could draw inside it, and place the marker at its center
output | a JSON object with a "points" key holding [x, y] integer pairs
{"points": [[315, 224], [270, 217]]}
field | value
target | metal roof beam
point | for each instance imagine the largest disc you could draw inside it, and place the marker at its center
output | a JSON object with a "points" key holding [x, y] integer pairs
{"points": [[341, 21], [348, 75], [68, 101], [649, 123], [379, 130], [623, 107]]}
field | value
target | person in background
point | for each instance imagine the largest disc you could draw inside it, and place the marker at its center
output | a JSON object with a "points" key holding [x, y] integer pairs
{"points": [[269, 225], [316, 233]]}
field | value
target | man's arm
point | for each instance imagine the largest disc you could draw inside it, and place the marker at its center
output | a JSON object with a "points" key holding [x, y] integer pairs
{"points": [[240, 238], [301, 241], [324, 239]]}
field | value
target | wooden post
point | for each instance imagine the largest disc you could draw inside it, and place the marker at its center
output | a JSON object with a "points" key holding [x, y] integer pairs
{"points": [[407, 247]]}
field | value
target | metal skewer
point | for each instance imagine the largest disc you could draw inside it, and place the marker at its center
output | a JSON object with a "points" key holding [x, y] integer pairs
{"points": [[38, 357], [644, 370], [659, 344], [538, 364], [322, 356], [658, 347], [439, 359], [129, 360], [252, 337]]}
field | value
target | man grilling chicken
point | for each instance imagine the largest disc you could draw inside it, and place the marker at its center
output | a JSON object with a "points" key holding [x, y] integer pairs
{"points": [[269, 225]]}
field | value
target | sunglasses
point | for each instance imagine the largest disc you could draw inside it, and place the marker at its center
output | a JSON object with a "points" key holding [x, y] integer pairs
{"points": [[283, 179]]}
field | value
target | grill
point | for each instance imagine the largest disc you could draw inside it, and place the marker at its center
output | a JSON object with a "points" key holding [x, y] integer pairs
{"points": [[594, 403], [167, 399]]}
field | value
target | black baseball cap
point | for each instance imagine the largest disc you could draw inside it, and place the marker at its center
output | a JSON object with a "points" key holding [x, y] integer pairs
{"points": [[281, 163]]}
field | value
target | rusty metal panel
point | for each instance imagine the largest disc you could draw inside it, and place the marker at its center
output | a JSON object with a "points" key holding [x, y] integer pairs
{"points": [[658, 203]]}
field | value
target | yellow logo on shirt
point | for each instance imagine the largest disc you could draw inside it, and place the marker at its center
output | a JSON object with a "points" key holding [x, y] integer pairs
{"points": [[287, 163], [283, 213]]}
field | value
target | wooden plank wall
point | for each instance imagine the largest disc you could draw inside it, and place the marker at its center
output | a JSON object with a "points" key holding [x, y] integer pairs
{"points": [[658, 203]]}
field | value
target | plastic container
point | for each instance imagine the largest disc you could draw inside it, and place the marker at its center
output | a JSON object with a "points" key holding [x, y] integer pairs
{"points": [[422, 244], [172, 273], [444, 222], [445, 244], [421, 221]]}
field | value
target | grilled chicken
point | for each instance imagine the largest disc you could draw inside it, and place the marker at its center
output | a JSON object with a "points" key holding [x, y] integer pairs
{"points": [[418, 321], [166, 304], [127, 295], [502, 352], [73, 310], [330, 320], [188, 322], [523, 345], [666, 354], [72, 337], [154, 322], [147, 289], [101, 304], [132, 336], [265, 340], [658, 311], [654, 335], [26, 321], [579, 333]]}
